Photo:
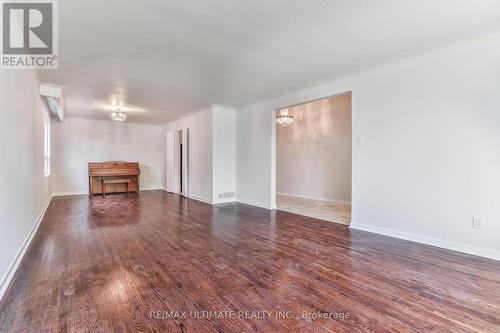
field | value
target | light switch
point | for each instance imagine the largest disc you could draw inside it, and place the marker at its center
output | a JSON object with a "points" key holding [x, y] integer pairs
{"points": [[478, 222], [360, 140]]}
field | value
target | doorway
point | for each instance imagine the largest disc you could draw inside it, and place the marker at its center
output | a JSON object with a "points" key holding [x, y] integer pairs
{"points": [[177, 162], [314, 158]]}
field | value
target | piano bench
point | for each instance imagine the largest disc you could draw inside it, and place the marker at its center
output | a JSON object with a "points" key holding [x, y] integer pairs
{"points": [[114, 181]]}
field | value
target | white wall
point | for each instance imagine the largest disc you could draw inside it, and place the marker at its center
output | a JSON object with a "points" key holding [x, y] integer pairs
{"points": [[313, 154], [255, 154], [211, 152], [431, 156], [199, 152], [224, 152], [23, 181], [78, 141]]}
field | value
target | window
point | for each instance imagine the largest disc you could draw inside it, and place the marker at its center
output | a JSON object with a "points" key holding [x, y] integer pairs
{"points": [[46, 146]]}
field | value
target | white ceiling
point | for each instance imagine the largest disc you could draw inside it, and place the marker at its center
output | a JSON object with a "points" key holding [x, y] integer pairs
{"points": [[164, 58]]}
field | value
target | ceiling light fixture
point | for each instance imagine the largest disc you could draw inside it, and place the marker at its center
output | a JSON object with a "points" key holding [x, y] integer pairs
{"points": [[284, 118], [118, 116]]}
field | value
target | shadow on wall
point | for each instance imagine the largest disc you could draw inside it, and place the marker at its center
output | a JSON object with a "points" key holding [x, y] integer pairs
{"points": [[312, 122]]}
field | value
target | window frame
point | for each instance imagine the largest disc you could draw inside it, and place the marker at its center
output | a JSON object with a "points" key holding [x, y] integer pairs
{"points": [[46, 146]]}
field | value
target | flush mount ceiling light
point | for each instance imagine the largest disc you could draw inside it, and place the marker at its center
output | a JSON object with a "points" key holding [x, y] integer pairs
{"points": [[284, 118], [118, 116]]}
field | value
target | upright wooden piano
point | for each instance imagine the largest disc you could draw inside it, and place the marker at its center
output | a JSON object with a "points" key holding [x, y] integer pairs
{"points": [[99, 172]]}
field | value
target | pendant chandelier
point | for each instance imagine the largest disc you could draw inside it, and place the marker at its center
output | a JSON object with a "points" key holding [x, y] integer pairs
{"points": [[284, 118]]}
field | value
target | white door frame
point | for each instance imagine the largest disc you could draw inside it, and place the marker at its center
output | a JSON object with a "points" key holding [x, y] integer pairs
{"points": [[177, 164], [170, 174], [185, 159], [172, 166]]}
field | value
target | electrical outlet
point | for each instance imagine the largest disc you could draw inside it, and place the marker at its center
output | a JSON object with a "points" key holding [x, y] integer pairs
{"points": [[477, 222]]}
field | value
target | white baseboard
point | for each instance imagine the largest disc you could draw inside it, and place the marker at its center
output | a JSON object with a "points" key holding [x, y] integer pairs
{"points": [[153, 188], [345, 202], [190, 196], [63, 194], [251, 203], [459, 247], [223, 201], [194, 197], [7, 278], [201, 199]]}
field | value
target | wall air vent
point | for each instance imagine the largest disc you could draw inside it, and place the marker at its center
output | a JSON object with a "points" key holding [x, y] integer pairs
{"points": [[227, 195]]}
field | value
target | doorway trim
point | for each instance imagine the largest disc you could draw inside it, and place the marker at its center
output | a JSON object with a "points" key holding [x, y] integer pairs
{"points": [[177, 162]]}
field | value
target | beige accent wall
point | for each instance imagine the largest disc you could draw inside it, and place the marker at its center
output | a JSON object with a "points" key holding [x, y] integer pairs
{"points": [[314, 154]]}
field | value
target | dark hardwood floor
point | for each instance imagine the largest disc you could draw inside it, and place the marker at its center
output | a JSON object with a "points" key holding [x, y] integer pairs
{"points": [[128, 263]]}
